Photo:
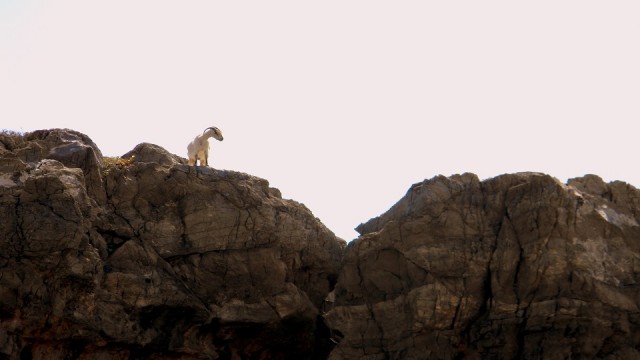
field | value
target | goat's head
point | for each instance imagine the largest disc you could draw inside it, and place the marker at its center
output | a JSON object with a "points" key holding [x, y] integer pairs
{"points": [[213, 132]]}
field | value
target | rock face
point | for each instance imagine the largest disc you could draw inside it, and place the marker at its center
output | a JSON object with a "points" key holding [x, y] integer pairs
{"points": [[147, 258], [518, 266]]}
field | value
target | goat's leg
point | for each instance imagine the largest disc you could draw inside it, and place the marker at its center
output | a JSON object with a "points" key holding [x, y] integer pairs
{"points": [[195, 164], [205, 157]]}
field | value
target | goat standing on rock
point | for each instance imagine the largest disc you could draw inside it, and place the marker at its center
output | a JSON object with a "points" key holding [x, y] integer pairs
{"points": [[198, 149]]}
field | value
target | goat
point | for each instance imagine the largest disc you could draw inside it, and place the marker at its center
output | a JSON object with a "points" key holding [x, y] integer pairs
{"points": [[198, 149]]}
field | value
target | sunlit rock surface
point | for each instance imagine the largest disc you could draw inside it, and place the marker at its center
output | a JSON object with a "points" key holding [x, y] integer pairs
{"points": [[517, 266]]}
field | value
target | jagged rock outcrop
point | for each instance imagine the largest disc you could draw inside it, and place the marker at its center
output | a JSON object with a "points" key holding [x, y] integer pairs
{"points": [[147, 258], [518, 266]]}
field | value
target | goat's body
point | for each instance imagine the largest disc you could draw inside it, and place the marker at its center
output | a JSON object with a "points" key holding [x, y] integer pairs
{"points": [[198, 149]]}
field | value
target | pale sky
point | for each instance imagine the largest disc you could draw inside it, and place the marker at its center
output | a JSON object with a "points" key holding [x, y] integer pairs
{"points": [[342, 105]]}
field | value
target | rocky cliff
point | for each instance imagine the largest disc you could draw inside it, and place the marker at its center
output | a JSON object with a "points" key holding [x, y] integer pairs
{"points": [[147, 258], [515, 267]]}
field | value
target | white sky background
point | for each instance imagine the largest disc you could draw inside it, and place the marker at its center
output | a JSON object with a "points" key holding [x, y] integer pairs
{"points": [[342, 105]]}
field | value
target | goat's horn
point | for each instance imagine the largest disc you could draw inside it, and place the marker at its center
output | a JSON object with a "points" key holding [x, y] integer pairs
{"points": [[212, 128]]}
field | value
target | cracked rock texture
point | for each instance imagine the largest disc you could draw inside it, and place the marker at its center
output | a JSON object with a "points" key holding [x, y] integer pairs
{"points": [[518, 266], [147, 258], [151, 259]]}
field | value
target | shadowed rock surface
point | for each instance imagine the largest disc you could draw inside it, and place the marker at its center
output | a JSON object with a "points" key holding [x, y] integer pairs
{"points": [[516, 267], [149, 259]]}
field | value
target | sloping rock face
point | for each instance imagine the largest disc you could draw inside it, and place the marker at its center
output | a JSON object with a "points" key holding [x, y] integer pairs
{"points": [[149, 258], [515, 267]]}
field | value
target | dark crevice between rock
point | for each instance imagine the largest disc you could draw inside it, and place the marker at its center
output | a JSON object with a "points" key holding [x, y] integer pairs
{"points": [[25, 354], [113, 239], [170, 322], [521, 334], [292, 338], [325, 340], [469, 334]]}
